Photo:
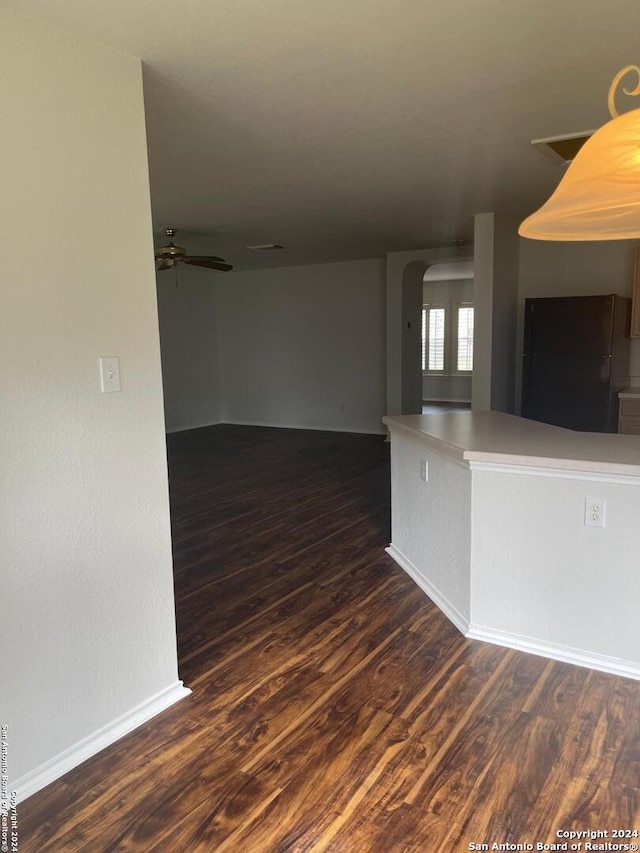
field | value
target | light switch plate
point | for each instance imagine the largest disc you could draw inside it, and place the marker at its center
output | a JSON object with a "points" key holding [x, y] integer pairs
{"points": [[109, 374]]}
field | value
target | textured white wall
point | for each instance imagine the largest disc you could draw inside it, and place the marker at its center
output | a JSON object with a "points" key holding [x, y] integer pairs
{"points": [[567, 269], [189, 342], [431, 522], [539, 572], [87, 621], [483, 263], [496, 291], [412, 280], [303, 346], [505, 313], [447, 388], [455, 290]]}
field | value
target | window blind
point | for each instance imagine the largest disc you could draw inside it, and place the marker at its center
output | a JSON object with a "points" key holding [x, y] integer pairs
{"points": [[465, 338]]}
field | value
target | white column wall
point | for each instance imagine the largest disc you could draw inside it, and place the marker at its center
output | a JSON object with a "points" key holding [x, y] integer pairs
{"points": [[496, 246], [87, 626], [431, 524]]}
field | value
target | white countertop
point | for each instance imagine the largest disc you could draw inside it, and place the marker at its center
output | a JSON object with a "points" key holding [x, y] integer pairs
{"points": [[634, 393], [506, 439]]}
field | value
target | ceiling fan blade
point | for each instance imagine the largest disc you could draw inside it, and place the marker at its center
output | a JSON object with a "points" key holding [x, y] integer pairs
{"points": [[206, 258], [165, 265], [207, 263]]}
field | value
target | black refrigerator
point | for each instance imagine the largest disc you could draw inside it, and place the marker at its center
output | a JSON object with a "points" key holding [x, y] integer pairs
{"points": [[575, 360]]}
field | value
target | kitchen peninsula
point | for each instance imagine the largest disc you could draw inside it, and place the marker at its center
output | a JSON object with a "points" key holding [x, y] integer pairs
{"points": [[489, 517]]}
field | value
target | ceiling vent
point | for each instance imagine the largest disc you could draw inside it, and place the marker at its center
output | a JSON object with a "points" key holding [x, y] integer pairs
{"points": [[562, 149], [265, 247]]}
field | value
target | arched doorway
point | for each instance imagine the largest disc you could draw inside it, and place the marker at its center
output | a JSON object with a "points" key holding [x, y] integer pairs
{"points": [[405, 274]]}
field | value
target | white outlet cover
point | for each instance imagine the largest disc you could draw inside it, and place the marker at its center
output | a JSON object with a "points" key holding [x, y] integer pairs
{"points": [[594, 511]]}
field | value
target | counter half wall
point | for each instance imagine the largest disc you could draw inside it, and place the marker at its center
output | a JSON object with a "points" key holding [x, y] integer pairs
{"points": [[488, 517]]}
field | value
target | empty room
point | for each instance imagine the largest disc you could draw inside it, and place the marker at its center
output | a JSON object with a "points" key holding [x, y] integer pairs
{"points": [[321, 426]]}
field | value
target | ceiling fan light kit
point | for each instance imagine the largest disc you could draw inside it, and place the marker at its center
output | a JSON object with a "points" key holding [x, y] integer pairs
{"points": [[599, 196], [170, 255]]}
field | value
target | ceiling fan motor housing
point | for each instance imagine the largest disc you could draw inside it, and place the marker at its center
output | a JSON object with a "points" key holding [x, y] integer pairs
{"points": [[170, 251]]}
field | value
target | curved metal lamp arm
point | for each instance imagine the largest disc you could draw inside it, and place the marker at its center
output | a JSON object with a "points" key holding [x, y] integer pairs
{"points": [[611, 100]]}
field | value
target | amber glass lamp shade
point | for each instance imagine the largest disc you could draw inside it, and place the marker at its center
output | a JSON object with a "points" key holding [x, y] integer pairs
{"points": [[599, 196]]}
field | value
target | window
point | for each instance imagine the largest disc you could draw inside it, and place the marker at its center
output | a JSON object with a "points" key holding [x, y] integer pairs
{"points": [[464, 356], [434, 335], [439, 348], [434, 338]]}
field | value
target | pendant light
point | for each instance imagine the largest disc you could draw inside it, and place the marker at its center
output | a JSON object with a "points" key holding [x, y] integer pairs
{"points": [[599, 196]]}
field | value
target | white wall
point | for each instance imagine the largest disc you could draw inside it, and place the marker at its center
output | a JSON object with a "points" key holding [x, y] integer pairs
{"points": [[566, 269], [304, 346], [574, 269], [87, 619], [189, 341], [455, 388], [410, 341], [431, 524], [541, 576], [496, 245]]}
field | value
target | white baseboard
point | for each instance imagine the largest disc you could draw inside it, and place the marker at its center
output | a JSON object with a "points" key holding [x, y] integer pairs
{"points": [[344, 429], [84, 749], [445, 400], [276, 426], [579, 657], [450, 611], [192, 426], [553, 651]]}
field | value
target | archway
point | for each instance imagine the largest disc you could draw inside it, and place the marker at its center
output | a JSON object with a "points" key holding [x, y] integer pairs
{"points": [[405, 274]]}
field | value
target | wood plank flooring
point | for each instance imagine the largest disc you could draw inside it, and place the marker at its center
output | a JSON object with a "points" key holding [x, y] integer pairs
{"points": [[334, 708]]}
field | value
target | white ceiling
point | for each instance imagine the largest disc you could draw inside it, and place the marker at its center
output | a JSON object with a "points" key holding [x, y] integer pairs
{"points": [[346, 129]]}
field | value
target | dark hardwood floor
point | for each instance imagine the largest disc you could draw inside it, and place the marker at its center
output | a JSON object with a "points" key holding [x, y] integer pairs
{"points": [[334, 708]]}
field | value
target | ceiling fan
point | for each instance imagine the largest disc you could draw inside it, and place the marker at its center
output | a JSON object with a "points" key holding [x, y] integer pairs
{"points": [[171, 255]]}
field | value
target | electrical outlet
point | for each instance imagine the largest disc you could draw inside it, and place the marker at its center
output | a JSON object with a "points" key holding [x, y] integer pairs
{"points": [[424, 470], [594, 512]]}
